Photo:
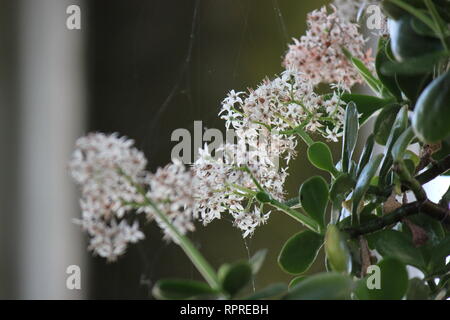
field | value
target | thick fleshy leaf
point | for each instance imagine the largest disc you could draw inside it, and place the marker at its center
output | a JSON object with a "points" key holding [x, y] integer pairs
{"points": [[337, 251], [351, 127], [366, 105], [439, 254], [296, 281], [391, 243], [313, 197], [177, 289], [413, 66], [399, 148], [431, 115], [363, 183], [366, 154], [406, 43], [365, 73], [272, 290], [413, 85], [390, 284], [319, 154], [299, 252], [322, 286], [384, 123], [341, 186], [383, 57], [235, 277], [400, 124]]}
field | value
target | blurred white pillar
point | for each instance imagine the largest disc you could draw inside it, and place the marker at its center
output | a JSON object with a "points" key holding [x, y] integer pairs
{"points": [[52, 112]]}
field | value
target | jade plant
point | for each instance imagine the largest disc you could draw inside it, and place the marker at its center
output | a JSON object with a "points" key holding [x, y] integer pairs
{"points": [[369, 212]]}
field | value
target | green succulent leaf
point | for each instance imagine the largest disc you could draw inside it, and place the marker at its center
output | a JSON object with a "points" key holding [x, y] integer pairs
{"points": [[365, 73], [177, 289], [313, 197], [342, 185], [322, 286], [366, 105], [384, 123], [431, 115], [413, 66], [363, 183], [296, 281], [400, 125], [439, 253], [299, 252], [393, 282], [234, 277], [351, 127], [319, 154], [336, 249], [271, 291], [399, 148], [384, 57], [395, 244], [366, 154]]}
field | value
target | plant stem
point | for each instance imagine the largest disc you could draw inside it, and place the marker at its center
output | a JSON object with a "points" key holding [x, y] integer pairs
{"points": [[190, 250], [302, 133], [409, 181], [427, 207], [197, 259], [292, 202], [435, 170], [389, 219], [305, 220]]}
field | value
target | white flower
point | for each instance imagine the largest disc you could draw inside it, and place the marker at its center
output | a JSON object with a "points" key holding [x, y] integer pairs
{"points": [[171, 189], [319, 54], [107, 168], [222, 186], [333, 134], [248, 221]]}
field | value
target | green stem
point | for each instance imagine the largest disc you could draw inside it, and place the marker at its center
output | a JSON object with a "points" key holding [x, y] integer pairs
{"points": [[386, 220], [305, 220], [438, 23], [190, 250], [255, 181], [292, 202], [302, 133], [197, 259], [426, 207], [410, 181]]}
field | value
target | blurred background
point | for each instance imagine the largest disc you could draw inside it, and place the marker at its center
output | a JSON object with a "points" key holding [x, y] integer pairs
{"points": [[142, 68]]}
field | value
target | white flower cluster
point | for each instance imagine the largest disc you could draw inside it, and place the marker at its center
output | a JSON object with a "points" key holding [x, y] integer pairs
{"points": [[263, 120], [172, 189], [115, 188], [224, 186], [105, 167], [280, 105], [319, 54]]}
